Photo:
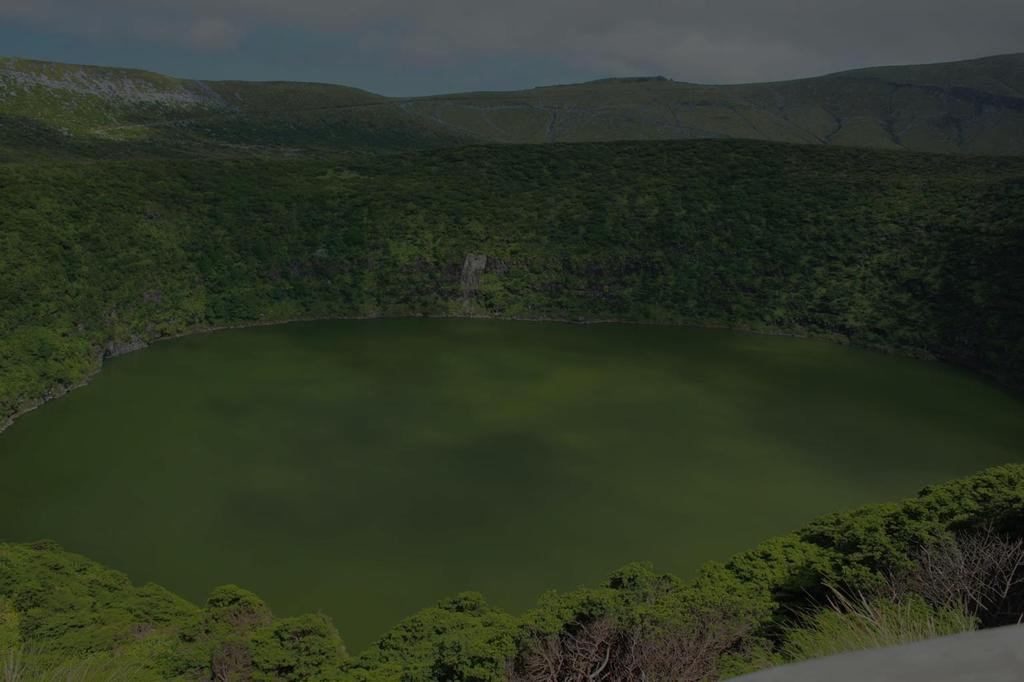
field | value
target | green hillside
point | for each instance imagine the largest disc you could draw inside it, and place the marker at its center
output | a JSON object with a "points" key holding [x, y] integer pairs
{"points": [[48, 109], [910, 253], [65, 617], [973, 106]]}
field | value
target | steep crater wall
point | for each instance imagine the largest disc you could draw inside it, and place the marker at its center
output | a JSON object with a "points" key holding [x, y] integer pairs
{"points": [[907, 253]]}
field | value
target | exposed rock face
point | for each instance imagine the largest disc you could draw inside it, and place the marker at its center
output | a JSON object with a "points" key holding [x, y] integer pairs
{"points": [[473, 266], [114, 85], [113, 348]]}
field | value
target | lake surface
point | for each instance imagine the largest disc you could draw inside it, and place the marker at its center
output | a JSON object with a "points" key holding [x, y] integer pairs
{"points": [[367, 469]]}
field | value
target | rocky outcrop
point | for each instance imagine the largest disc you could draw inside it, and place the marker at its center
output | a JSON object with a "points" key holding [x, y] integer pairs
{"points": [[114, 348], [119, 86], [474, 265]]}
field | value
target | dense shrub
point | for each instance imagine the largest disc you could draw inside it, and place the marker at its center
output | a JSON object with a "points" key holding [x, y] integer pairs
{"points": [[295, 649]]}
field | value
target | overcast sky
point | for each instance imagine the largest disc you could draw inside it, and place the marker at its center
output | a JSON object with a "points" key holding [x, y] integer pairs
{"points": [[411, 47]]}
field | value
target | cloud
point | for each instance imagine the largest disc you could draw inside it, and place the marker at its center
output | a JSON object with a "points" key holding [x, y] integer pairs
{"points": [[99, 21], [698, 40], [213, 34]]}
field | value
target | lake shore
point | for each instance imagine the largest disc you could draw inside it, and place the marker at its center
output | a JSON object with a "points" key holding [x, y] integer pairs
{"points": [[60, 391]]}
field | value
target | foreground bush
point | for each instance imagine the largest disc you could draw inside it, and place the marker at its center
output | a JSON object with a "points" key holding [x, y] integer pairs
{"points": [[980, 573]]}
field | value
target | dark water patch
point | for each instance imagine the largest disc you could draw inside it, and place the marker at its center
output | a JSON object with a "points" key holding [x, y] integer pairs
{"points": [[367, 469]]}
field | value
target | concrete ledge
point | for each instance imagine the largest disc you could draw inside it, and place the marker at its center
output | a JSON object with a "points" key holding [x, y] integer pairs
{"points": [[995, 655]]}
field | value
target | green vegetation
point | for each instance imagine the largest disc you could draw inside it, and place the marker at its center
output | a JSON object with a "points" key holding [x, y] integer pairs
{"points": [[75, 615], [898, 251], [137, 206], [974, 106], [739, 616], [859, 623]]}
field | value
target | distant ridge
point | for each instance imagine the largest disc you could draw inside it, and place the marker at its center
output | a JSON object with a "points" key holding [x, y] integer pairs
{"points": [[628, 79], [974, 106]]}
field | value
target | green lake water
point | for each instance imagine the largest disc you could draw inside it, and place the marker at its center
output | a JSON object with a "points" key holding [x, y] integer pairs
{"points": [[366, 469]]}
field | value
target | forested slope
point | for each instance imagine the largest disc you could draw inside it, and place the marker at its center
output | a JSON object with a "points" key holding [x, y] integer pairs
{"points": [[914, 253]]}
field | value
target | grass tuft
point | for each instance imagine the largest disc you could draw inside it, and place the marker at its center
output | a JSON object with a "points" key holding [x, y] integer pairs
{"points": [[856, 622]]}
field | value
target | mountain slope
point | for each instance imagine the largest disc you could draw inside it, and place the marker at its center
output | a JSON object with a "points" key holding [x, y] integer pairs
{"points": [[48, 108], [974, 106]]}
